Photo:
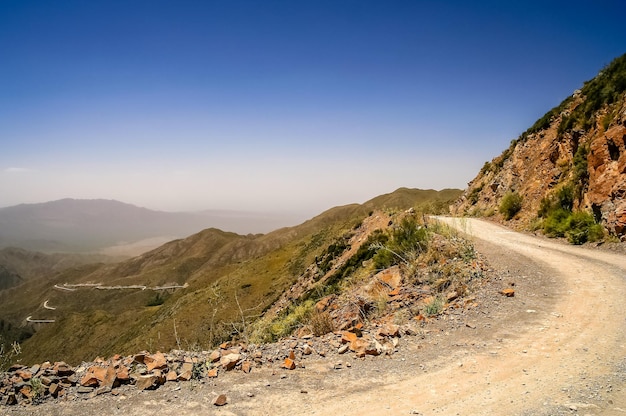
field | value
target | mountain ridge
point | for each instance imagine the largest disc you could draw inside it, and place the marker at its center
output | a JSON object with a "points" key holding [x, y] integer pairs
{"points": [[91, 225], [222, 272], [567, 171]]}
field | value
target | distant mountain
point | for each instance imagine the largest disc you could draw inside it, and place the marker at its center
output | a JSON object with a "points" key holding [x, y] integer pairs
{"points": [[74, 225], [565, 175]]}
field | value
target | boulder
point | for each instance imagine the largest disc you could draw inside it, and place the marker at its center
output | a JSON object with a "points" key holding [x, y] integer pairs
{"points": [[155, 361], [229, 361]]}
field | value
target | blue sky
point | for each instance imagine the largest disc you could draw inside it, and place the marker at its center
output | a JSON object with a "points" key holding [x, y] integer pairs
{"points": [[278, 105]]}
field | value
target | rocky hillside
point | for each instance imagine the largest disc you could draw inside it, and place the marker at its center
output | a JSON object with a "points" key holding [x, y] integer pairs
{"points": [[195, 292], [18, 265], [567, 171]]}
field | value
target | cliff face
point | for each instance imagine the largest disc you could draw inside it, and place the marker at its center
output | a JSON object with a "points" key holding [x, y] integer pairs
{"points": [[579, 145]]}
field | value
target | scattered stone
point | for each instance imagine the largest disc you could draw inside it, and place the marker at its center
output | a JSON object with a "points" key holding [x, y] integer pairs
{"points": [[146, 382], [62, 369], [84, 389], [509, 293], [24, 374], [289, 364], [348, 337], [155, 361], [220, 400], [229, 361], [212, 373], [215, 356], [246, 366]]}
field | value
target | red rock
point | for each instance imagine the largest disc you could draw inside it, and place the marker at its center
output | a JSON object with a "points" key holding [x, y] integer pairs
{"points": [[246, 366], [24, 374], [289, 364], [220, 400], [110, 377], [171, 376], [122, 374], [155, 361], [509, 293], [215, 356], [358, 346], [146, 382], [292, 355], [54, 389], [212, 373], [62, 369], [186, 372], [94, 377], [348, 337], [389, 330], [27, 391], [228, 362]]}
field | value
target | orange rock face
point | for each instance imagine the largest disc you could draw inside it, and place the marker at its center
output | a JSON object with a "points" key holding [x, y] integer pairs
{"points": [[538, 165]]}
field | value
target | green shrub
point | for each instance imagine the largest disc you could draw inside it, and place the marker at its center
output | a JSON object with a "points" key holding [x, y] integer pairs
{"points": [[562, 199], [582, 228], [156, 300], [434, 307], [405, 240], [556, 222], [511, 204], [578, 227]]}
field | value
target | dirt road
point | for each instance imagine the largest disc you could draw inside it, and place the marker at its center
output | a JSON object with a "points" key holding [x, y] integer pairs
{"points": [[557, 347]]}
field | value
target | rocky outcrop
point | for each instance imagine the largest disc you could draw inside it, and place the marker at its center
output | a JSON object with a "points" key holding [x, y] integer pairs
{"points": [[607, 176], [581, 144]]}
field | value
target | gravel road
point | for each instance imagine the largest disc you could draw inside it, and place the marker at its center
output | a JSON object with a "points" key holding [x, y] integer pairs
{"points": [[558, 347]]}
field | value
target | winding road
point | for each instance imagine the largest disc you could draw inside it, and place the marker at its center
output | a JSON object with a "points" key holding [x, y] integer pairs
{"points": [[557, 348], [562, 351]]}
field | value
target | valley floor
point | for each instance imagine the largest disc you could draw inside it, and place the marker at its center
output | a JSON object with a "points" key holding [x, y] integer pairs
{"points": [[557, 347]]}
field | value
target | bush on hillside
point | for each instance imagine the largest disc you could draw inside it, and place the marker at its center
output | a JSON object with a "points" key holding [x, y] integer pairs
{"points": [[579, 227], [511, 204], [582, 228], [405, 241]]}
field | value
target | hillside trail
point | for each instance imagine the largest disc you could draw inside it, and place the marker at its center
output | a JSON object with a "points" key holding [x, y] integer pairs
{"points": [[558, 347]]}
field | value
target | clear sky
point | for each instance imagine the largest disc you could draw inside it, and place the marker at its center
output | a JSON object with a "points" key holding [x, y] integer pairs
{"points": [[279, 105]]}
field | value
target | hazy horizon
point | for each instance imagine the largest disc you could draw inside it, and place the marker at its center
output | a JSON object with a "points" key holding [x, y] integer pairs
{"points": [[278, 106]]}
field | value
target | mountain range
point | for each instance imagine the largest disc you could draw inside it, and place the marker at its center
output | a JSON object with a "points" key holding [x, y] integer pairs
{"points": [[214, 275], [75, 225], [565, 176]]}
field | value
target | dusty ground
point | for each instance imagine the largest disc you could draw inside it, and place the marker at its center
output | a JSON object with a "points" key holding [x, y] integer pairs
{"points": [[557, 347]]}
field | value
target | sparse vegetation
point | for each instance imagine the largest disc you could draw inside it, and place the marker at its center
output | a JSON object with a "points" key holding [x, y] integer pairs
{"points": [[604, 89], [434, 306], [157, 300], [405, 242], [321, 323], [559, 220], [510, 205]]}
